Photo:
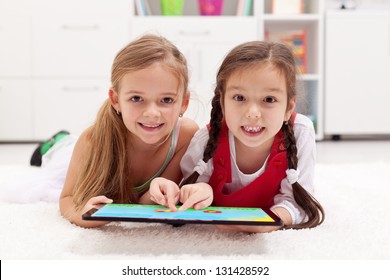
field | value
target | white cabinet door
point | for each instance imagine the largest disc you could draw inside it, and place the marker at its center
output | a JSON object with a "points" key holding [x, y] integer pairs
{"points": [[357, 74], [16, 115], [15, 46], [66, 104], [77, 46]]}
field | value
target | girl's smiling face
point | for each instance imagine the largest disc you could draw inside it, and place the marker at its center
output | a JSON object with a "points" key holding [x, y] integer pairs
{"points": [[255, 104], [150, 102]]}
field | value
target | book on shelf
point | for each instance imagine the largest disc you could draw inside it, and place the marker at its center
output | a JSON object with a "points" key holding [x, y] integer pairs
{"points": [[244, 7], [296, 40], [142, 7], [287, 6]]}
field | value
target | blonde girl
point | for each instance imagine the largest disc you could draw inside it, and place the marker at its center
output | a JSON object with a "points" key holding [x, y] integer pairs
{"points": [[256, 152], [138, 135]]}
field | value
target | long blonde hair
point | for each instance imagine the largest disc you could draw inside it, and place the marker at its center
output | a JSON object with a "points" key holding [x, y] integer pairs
{"points": [[105, 168]]}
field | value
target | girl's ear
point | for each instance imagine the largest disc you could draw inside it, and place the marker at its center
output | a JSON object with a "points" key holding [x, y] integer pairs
{"points": [[290, 108], [114, 99], [185, 103]]}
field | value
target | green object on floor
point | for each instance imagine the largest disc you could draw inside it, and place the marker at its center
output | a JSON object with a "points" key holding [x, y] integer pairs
{"points": [[54, 139], [36, 158]]}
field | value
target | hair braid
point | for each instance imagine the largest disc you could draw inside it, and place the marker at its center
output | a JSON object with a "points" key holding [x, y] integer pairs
{"points": [[215, 128], [305, 200]]}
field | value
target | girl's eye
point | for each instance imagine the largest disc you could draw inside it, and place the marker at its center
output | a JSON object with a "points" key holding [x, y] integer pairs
{"points": [[167, 100], [136, 99], [269, 99], [239, 98]]}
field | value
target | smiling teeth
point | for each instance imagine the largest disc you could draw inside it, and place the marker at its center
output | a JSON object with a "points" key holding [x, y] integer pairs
{"points": [[151, 125], [252, 128]]}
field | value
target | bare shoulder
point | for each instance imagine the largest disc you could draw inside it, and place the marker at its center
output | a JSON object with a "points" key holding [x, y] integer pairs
{"points": [[188, 128], [83, 143]]}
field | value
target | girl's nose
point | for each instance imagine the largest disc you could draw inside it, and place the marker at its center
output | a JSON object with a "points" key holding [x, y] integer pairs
{"points": [[152, 110], [253, 112]]}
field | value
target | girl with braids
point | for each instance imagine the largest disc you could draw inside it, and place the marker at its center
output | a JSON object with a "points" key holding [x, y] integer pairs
{"points": [[256, 152], [138, 134]]}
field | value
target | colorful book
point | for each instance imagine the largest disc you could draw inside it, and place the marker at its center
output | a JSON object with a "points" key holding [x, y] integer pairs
{"points": [[142, 7], [244, 7], [296, 40]]}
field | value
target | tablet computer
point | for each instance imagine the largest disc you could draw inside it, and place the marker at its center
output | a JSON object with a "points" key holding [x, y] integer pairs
{"points": [[161, 214]]}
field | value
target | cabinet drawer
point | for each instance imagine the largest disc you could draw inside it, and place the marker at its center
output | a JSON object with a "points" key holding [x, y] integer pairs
{"points": [[198, 29], [102, 7], [15, 51], [77, 46], [16, 7], [66, 104], [15, 110]]}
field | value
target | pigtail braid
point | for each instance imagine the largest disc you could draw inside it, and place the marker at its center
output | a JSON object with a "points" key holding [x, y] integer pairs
{"points": [[215, 128], [305, 200]]}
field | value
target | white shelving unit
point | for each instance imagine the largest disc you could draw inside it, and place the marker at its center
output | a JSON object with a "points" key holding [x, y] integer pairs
{"points": [[205, 40], [310, 86], [56, 56]]}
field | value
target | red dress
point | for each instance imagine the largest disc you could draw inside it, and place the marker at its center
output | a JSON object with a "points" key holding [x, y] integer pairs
{"points": [[261, 191]]}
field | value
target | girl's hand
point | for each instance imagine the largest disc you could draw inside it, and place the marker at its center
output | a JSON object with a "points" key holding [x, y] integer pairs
{"points": [[164, 192], [96, 202], [197, 196]]}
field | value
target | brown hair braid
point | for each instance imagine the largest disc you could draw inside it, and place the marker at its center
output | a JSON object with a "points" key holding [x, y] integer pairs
{"points": [[305, 200]]}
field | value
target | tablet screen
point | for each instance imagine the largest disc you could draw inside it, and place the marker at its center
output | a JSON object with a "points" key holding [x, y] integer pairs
{"points": [[158, 213]]}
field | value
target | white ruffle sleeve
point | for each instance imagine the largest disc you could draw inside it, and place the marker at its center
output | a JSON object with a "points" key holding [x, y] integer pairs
{"points": [[194, 153]]}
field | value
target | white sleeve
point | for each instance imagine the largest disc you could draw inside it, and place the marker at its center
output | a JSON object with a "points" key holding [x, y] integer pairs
{"points": [[194, 153], [306, 146]]}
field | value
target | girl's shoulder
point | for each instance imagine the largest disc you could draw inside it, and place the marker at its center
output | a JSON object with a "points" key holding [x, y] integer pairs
{"points": [[188, 128], [303, 122], [188, 125], [303, 128], [200, 139], [83, 142]]}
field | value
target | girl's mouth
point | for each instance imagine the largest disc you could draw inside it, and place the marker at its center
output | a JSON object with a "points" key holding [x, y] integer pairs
{"points": [[151, 127], [252, 130]]}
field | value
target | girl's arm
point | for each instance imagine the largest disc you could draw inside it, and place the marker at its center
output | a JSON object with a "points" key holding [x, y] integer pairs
{"points": [[67, 206]]}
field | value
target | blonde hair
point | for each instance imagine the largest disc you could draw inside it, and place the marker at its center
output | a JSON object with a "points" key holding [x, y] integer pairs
{"points": [[105, 168]]}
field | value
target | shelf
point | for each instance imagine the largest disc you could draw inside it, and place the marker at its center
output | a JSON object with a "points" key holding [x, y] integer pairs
{"points": [[32, 37], [286, 18], [191, 8]]}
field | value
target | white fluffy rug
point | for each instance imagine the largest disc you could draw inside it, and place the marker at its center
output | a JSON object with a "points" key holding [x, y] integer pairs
{"points": [[356, 198]]}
